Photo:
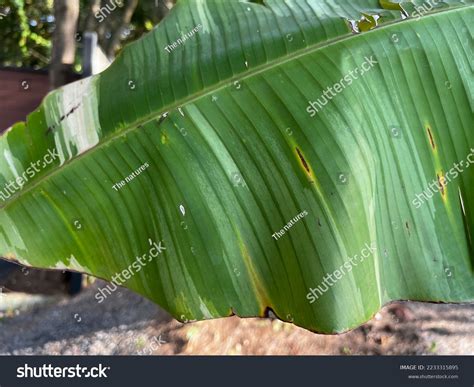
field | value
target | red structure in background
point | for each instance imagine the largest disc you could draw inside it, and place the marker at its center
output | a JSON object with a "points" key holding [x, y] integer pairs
{"points": [[21, 91]]}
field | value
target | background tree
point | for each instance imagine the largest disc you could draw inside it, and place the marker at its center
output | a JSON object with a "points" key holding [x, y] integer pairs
{"points": [[27, 29], [66, 14], [26, 33]]}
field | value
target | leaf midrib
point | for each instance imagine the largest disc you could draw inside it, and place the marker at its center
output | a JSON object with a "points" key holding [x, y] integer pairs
{"points": [[218, 86]]}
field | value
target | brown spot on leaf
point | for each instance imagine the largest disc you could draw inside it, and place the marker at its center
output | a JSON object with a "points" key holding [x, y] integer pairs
{"points": [[53, 127], [303, 160], [430, 135]]}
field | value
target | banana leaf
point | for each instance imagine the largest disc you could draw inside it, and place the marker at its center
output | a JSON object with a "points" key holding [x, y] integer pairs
{"points": [[307, 159]]}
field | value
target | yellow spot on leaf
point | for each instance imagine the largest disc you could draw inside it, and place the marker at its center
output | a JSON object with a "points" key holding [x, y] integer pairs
{"points": [[442, 184]]}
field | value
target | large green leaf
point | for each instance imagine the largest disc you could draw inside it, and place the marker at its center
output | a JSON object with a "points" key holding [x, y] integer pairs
{"points": [[227, 152]]}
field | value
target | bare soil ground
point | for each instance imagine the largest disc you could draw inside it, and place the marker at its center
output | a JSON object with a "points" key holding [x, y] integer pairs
{"points": [[127, 324]]}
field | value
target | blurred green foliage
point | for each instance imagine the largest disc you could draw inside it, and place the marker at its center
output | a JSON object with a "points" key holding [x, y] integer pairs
{"points": [[26, 28]]}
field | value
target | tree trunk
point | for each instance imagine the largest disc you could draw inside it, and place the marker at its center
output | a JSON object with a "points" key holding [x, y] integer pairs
{"points": [[66, 13], [163, 8], [90, 23], [127, 14]]}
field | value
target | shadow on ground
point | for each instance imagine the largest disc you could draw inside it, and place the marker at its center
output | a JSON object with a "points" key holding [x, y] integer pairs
{"points": [[127, 324]]}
